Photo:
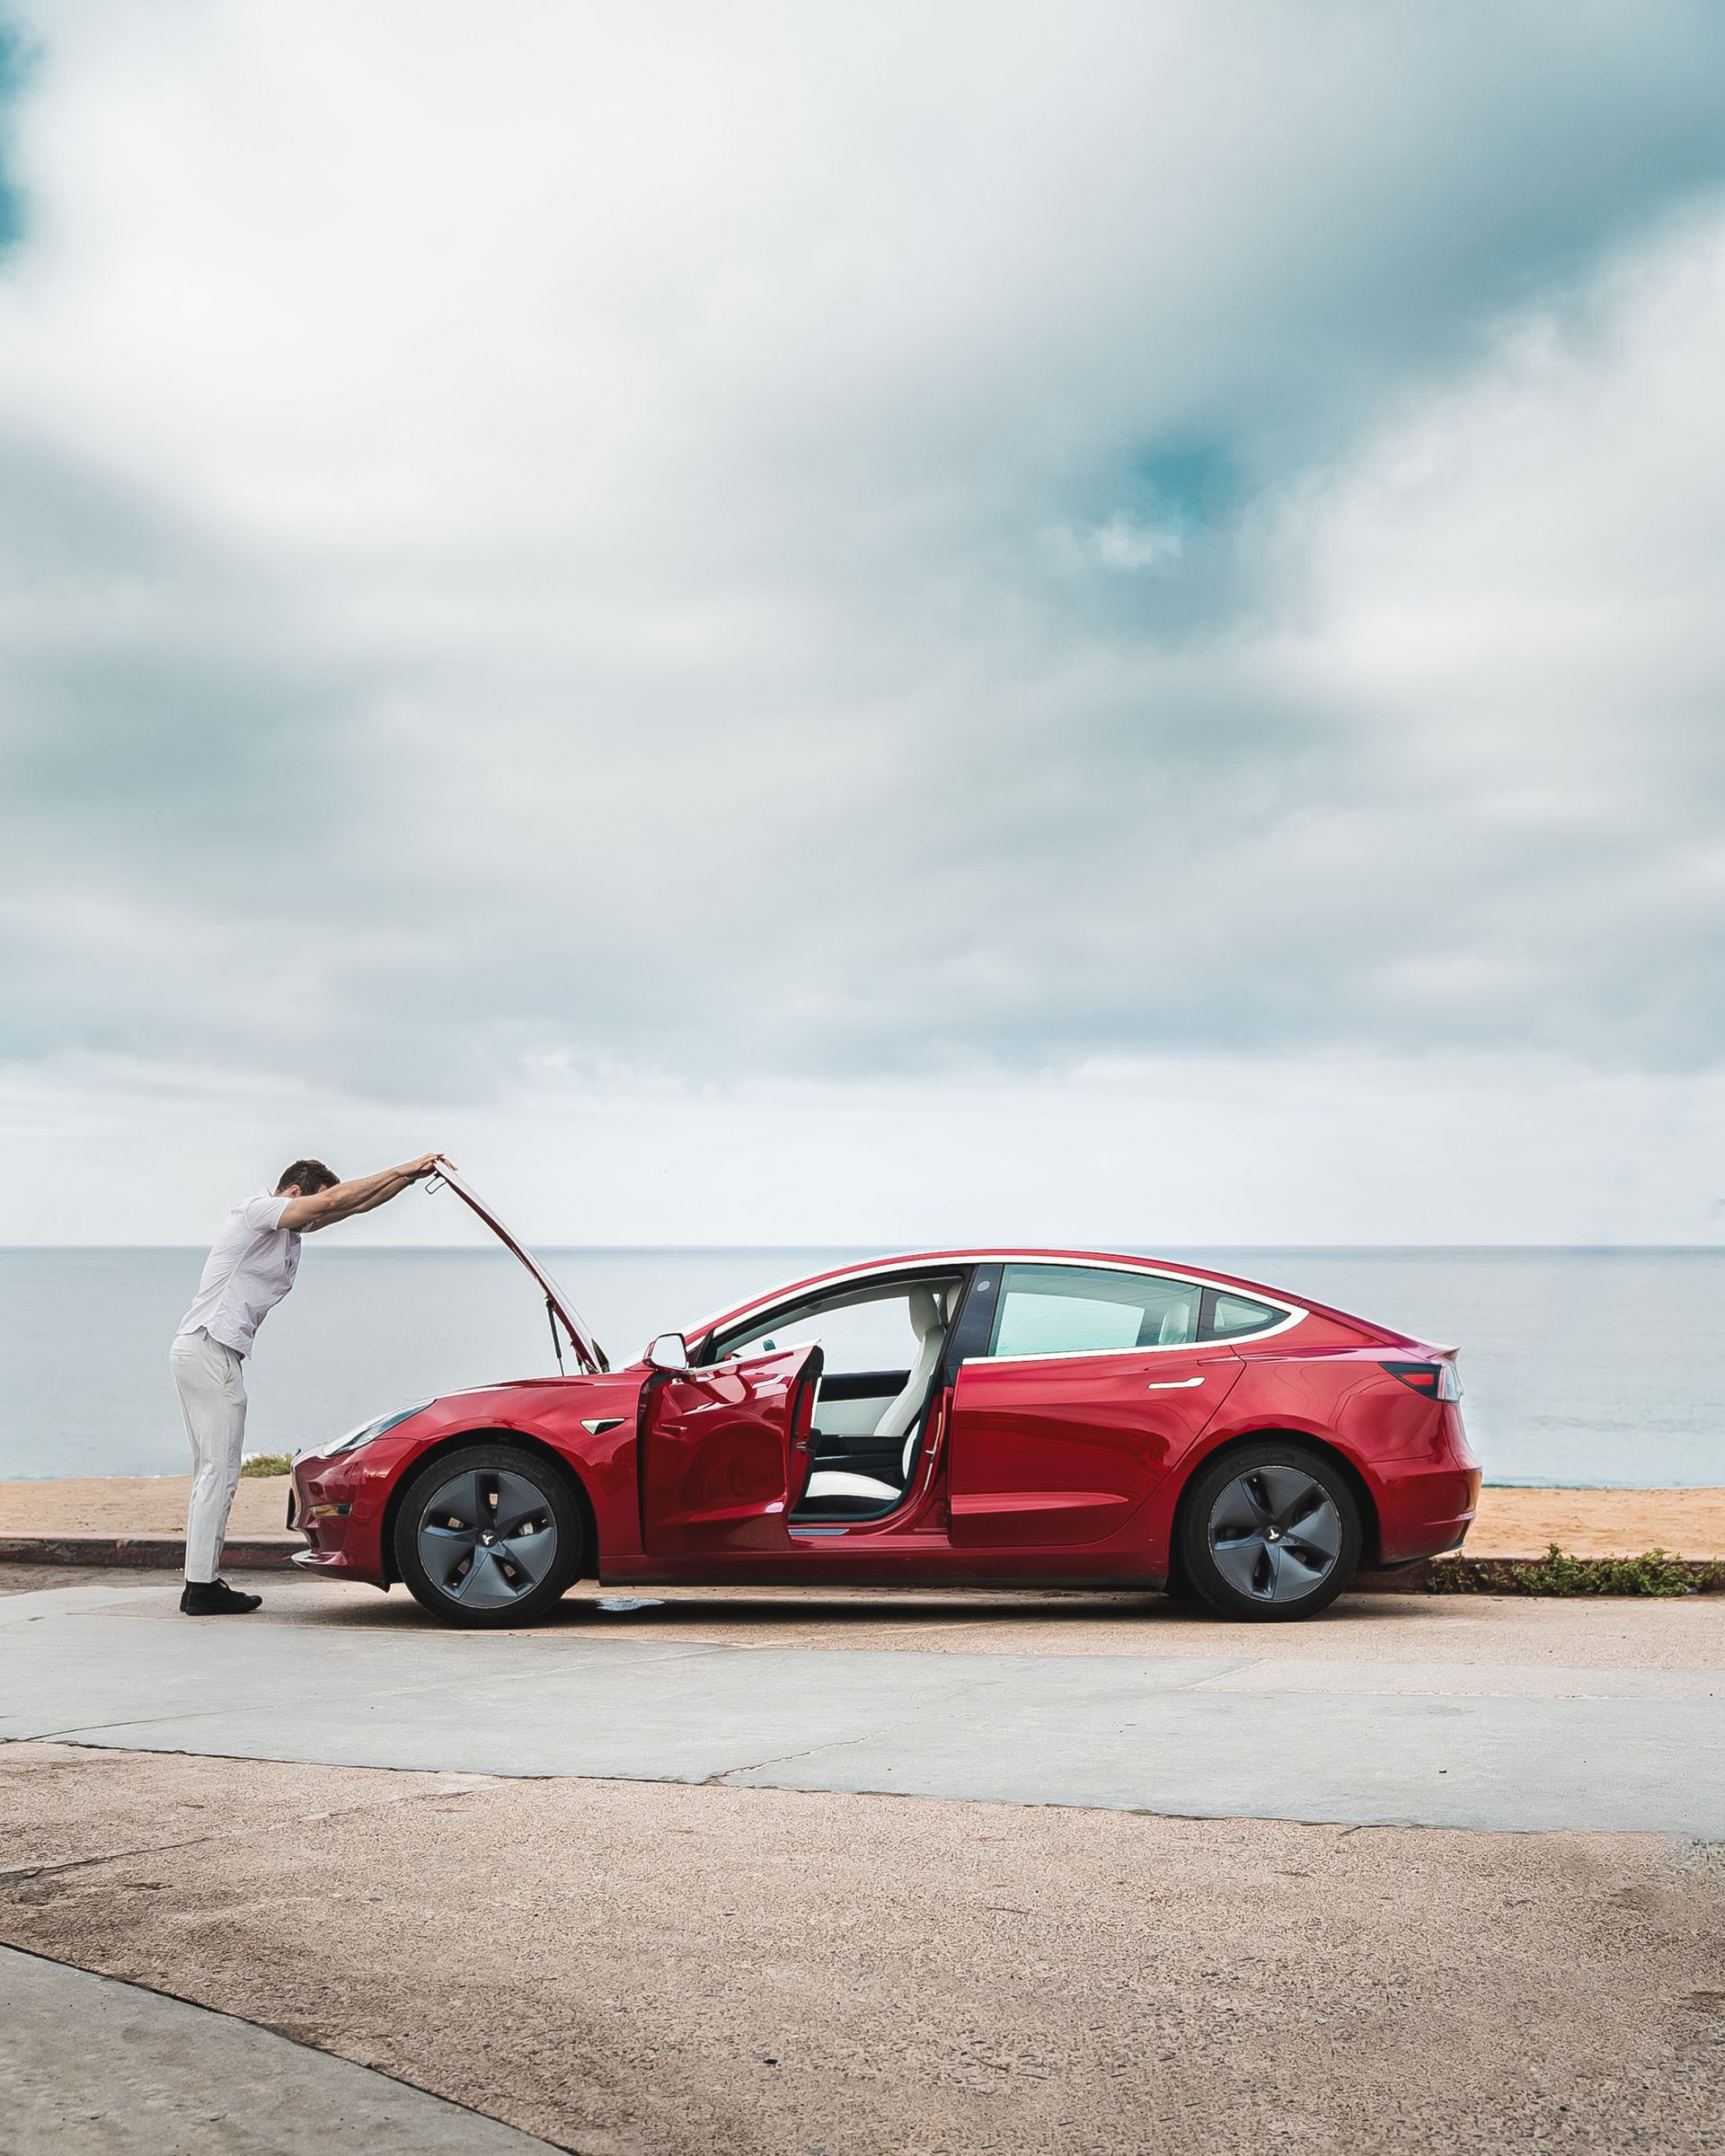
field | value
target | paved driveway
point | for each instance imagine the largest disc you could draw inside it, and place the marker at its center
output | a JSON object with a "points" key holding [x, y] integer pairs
{"points": [[1316, 1723]]}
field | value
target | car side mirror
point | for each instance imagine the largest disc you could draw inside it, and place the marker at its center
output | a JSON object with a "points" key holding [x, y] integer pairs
{"points": [[669, 1351]]}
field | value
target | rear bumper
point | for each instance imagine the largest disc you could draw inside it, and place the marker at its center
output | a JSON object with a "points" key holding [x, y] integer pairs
{"points": [[1426, 1514]]}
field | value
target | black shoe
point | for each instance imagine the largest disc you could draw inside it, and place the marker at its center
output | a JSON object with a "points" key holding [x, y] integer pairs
{"points": [[215, 1598]]}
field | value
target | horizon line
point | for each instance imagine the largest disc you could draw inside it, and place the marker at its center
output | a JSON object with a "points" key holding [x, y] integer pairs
{"points": [[662, 1249]]}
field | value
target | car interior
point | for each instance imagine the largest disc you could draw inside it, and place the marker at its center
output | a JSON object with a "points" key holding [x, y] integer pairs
{"points": [[882, 1345]]}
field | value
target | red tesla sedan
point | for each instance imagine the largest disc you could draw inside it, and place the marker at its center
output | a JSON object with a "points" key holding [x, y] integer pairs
{"points": [[958, 1417]]}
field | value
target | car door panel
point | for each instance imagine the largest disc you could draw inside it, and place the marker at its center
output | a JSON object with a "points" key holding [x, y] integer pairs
{"points": [[726, 1454], [1053, 1450]]}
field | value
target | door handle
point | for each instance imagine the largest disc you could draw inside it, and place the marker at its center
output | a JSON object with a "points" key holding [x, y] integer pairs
{"points": [[1171, 1384]]}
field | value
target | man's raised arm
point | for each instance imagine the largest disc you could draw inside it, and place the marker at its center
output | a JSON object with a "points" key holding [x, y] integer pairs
{"points": [[341, 1200]]}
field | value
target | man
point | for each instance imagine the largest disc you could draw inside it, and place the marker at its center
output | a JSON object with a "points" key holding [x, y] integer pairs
{"points": [[247, 1273]]}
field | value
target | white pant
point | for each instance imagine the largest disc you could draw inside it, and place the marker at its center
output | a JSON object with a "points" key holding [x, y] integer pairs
{"points": [[211, 1383]]}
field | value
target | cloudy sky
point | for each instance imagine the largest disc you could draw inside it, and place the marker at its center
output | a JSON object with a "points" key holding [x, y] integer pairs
{"points": [[867, 624]]}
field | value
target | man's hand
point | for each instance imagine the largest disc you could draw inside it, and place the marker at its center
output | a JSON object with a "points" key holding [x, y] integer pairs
{"points": [[428, 1164]]}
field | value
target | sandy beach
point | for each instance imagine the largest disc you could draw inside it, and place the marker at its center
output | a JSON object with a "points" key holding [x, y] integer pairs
{"points": [[134, 1505], [1599, 1523], [1512, 1523]]}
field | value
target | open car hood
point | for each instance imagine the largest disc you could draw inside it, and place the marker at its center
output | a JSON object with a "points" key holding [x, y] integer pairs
{"points": [[588, 1351]]}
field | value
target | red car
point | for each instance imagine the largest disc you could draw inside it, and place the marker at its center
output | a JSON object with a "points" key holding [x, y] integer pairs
{"points": [[955, 1419]]}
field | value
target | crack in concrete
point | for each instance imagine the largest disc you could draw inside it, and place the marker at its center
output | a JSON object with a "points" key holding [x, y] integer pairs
{"points": [[77, 1731], [831, 1744], [972, 1686], [22, 1874]]}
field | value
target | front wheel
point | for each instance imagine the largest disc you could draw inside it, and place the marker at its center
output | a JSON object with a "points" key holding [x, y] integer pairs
{"points": [[487, 1536], [1271, 1533]]}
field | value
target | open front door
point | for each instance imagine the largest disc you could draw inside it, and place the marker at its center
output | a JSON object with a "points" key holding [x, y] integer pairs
{"points": [[726, 1453]]}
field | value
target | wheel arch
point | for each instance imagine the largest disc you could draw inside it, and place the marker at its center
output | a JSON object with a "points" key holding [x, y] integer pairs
{"points": [[525, 1441], [1370, 1524]]}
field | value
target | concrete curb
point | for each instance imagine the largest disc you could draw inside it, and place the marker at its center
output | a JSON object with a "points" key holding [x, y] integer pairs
{"points": [[155, 1552], [275, 1552]]}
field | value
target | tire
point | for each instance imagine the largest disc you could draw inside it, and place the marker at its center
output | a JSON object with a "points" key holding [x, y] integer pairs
{"points": [[1270, 1533], [494, 1522]]}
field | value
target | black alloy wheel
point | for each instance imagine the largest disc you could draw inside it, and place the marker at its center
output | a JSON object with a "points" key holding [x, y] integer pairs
{"points": [[1270, 1532], [489, 1536]]}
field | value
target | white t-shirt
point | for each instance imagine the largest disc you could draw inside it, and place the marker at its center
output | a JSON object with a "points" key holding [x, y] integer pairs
{"points": [[248, 1271]]}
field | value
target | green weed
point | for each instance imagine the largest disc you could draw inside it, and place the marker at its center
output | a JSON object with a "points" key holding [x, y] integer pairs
{"points": [[1654, 1572], [266, 1463]]}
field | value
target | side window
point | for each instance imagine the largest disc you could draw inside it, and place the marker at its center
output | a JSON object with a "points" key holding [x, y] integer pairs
{"points": [[788, 1327], [1231, 1317], [1077, 1309], [871, 1330]]}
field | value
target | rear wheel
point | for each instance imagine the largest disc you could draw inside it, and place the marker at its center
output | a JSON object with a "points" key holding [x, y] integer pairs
{"points": [[1271, 1533], [487, 1536]]}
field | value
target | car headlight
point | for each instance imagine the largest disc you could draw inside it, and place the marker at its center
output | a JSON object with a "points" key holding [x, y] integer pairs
{"points": [[368, 1430]]}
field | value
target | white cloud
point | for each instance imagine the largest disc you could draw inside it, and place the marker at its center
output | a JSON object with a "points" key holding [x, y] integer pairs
{"points": [[1123, 543]]}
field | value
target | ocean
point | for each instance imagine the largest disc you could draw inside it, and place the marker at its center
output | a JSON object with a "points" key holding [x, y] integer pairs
{"points": [[1579, 1367]]}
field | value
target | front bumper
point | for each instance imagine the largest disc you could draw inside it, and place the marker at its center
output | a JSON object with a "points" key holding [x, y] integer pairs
{"points": [[338, 1505]]}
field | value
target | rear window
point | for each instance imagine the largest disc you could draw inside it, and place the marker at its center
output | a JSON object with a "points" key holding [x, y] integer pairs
{"points": [[1231, 1317]]}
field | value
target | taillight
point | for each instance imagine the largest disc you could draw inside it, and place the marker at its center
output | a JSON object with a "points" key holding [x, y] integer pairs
{"points": [[1436, 1381]]}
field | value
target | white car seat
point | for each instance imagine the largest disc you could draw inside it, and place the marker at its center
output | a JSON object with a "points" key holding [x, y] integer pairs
{"points": [[901, 1418]]}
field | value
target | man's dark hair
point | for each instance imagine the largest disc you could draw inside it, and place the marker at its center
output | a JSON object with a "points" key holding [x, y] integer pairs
{"points": [[311, 1176]]}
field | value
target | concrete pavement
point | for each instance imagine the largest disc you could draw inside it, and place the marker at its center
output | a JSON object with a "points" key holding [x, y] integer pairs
{"points": [[1273, 1723], [93, 2067]]}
